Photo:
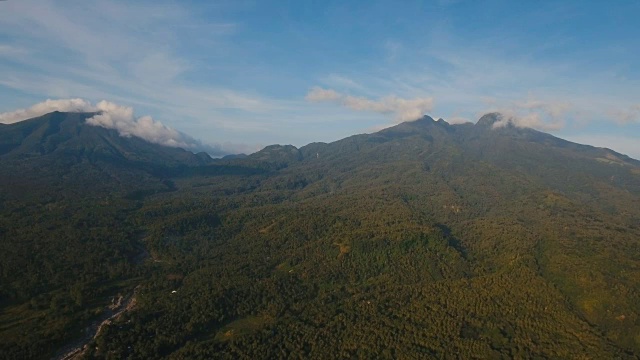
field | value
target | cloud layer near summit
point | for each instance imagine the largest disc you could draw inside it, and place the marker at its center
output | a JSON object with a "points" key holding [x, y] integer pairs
{"points": [[113, 116], [45, 107], [400, 109], [245, 72]]}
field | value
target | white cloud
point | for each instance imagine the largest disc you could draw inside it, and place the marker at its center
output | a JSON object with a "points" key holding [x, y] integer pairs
{"points": [[340, 81], [99, 52], [463, 73], [119, 118], [401, 109], [158, 67], [45, 107], [174, 61], [9, 50], [318, 94], [627, 116], [555, 109], [457, 120], [532, 113], [531, 120]]}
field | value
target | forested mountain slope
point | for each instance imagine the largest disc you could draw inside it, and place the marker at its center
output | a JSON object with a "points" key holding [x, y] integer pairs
{"points": [[422, 240]]}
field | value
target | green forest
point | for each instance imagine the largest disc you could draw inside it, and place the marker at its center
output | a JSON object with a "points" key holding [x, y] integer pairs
{"points": [[425, 240]]}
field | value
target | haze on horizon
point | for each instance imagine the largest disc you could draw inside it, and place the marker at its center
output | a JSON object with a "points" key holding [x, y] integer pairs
{"points": [[239, 75]]}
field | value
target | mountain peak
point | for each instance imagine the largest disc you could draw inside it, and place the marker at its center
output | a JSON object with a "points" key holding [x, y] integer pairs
{"points": [[426, 118], [277, 153], [59, 135], [487, 120]]}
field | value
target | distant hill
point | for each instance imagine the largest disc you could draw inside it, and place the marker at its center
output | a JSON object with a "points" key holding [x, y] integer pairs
{"points": [[423, 240]]}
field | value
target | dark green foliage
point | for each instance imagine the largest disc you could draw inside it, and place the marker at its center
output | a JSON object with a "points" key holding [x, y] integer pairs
{"points": [[425, 240]]}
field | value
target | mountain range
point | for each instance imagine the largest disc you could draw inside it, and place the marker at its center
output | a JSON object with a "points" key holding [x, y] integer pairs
{"points": [[425, 240]]}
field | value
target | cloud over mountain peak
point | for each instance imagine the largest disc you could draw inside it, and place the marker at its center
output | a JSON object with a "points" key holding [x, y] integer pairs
{"points": [[114, 116], [401, 109]]}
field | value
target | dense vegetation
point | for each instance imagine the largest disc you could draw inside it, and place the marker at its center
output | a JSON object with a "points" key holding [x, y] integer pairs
{"points": [[423, 240]]}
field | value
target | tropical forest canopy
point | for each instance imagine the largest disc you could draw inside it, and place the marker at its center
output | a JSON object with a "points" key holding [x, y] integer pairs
{"points": [[424, 240]]}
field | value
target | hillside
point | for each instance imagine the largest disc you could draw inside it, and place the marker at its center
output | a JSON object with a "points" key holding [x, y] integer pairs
{"points": [[423, 240]]}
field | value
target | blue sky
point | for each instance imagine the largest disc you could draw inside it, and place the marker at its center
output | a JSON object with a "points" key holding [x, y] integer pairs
{"points": [[244, 74]]}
